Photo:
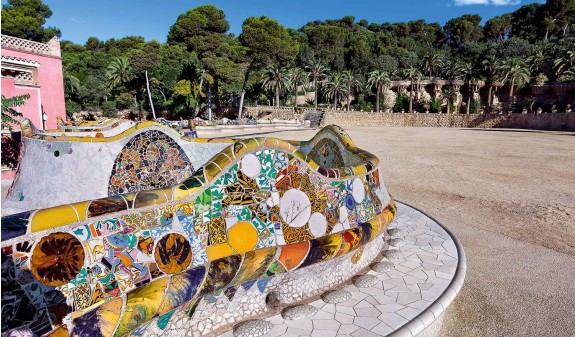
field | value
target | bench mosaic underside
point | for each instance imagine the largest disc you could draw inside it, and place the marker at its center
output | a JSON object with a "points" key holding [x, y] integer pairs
{"points": [[260, 209]]}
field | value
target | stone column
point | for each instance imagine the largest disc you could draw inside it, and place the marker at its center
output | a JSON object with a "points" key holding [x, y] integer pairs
{"points": [[459, 98]]}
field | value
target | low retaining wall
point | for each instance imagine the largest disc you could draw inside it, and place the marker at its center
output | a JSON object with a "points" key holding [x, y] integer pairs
{"points": [[547, 121]]}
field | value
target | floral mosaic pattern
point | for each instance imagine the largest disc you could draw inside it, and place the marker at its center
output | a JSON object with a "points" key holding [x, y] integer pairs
{"points": [[149, 160], [258, 209]]}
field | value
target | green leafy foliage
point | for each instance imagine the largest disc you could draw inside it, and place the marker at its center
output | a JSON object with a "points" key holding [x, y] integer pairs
{"points": [[26, 18], [9, 115], [202, 61]]}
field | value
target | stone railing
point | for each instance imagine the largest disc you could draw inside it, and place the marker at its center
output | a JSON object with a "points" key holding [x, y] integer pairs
{"points": [[52, 48]]}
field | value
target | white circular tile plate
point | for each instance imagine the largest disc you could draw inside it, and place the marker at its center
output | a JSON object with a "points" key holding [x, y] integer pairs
{"points": [[317, 224], [251, 165], [295, 208], [358, 190]]}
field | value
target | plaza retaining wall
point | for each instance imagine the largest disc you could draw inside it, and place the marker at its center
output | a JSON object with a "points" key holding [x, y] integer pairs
{"points": [[559, 121], [546, 121]]}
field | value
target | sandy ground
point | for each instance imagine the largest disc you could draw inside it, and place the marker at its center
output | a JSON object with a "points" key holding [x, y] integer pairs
{"points": [[509, 196]]}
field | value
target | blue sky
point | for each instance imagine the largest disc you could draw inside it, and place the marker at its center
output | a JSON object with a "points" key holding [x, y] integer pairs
{"points": [[80, 19]]}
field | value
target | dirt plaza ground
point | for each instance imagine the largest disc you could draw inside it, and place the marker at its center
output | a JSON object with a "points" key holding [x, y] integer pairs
{"points": [[509, 196]]}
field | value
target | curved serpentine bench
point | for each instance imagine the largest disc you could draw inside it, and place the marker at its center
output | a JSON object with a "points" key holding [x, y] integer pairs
{"points": [[263, 219], [62, 166]]}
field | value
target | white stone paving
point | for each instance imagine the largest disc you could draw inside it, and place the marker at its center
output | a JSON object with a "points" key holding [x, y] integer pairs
{"points": [[424, 268]]}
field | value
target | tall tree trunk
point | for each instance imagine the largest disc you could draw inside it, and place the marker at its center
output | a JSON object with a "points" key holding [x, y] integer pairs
{"points": [[335, 101], [246, 77], [277, 95], [209, 101], [136, 105], [509, 109], [377, 99], [468, 98], [315, 91], [295, 96], [216, 91], [411, 98], [196, 96], [489, 98], [150, 95], [448, 107], [348, 97]]}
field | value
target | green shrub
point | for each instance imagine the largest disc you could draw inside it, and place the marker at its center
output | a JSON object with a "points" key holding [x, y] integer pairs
{"points": [[124, 101], [402, 102], [474, 106], [72, 107], [435, 106], [109, 109]]}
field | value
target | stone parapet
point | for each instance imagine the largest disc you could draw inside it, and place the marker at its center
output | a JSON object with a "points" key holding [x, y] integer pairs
{"points": [[52, 48], [547, 121]]}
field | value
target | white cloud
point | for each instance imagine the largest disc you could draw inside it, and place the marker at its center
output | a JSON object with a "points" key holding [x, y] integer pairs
{"points": [[76, 21], [486, 2]]}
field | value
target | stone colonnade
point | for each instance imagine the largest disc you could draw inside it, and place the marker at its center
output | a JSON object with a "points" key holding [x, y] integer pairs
{"points": [[535, 96]]}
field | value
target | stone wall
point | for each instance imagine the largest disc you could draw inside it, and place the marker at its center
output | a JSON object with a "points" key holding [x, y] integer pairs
{"points": [[545, 121], [275, 112]]}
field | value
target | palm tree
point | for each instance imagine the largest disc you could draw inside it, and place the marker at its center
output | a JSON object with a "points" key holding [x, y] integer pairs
{"points": [[491, 66], [275, 78], [431, 63], [297, 77], [537, 62], [413, 75], [569, 73], [564, 63], [465, 71], [317, 72], [380, 80], [335, 88], [352, 83], [71, 83], [450, 94], [119, 72], [515, 71]]}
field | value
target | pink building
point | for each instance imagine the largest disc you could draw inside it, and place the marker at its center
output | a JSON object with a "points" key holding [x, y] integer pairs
{"points": [[34, 68]]}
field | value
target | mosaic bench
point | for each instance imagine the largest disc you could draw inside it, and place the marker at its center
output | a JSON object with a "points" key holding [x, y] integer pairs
{"points": [[61, 167], [263, 220]]}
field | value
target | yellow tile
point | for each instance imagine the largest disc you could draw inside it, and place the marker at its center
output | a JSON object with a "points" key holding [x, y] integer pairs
{"points": [[180, 192], [81, 208], [286, 146], [228, 152], [239, 149], [296, 143], [313, 164], [219, 251], [300, 155], [251, 143], [243, 237], [211, 170], [222, 160], [149, 198], [271, 142], [52, 218], [359, 169]]}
